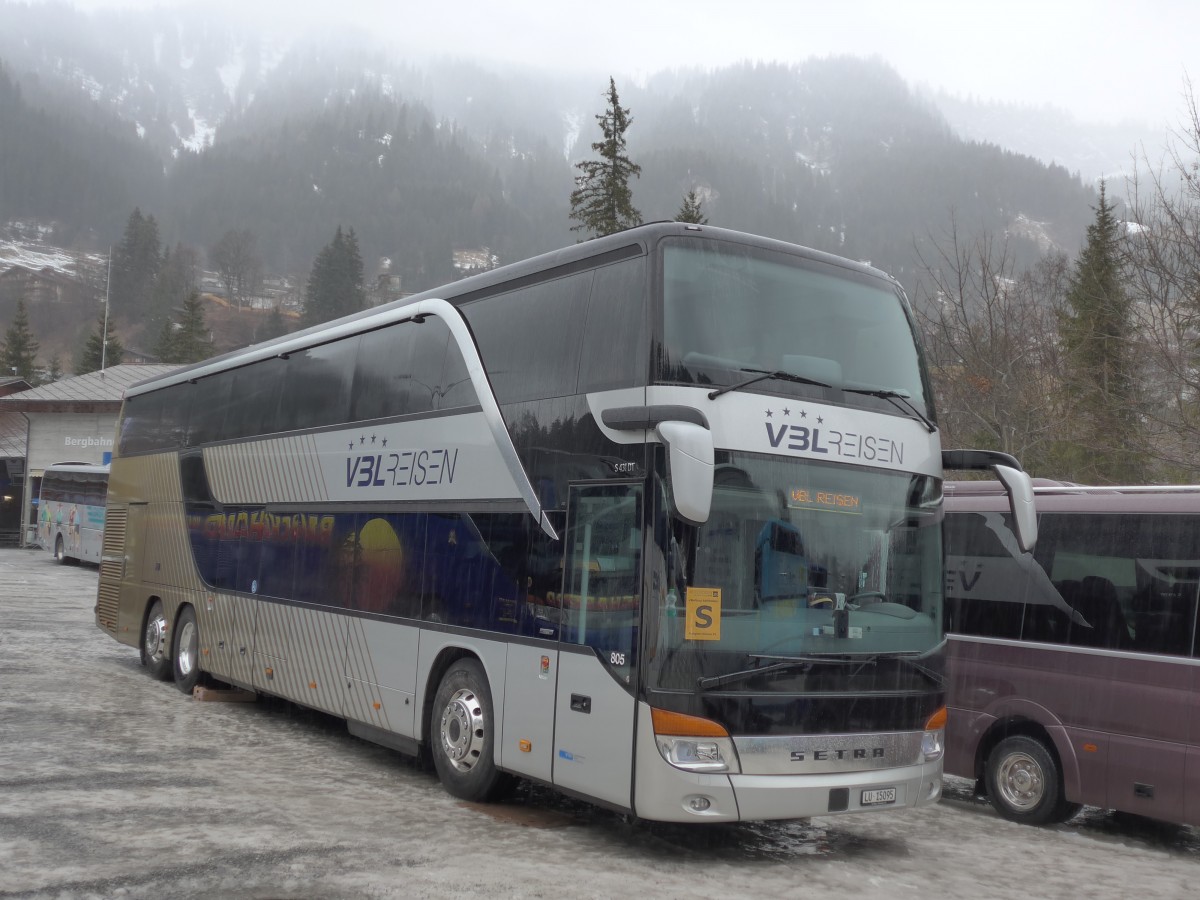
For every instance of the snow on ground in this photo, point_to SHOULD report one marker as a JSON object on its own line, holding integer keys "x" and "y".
{"x": 38, "y": 256}
{"x": 115, "y": 785}
{"x": 231, "y": 75}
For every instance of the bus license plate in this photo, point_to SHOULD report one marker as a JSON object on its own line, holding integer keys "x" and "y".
{"x": 874, "y": 798}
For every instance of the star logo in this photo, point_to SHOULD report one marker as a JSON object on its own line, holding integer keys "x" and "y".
{"x": 769, "y": 413}
{"x": 786, "y": 411}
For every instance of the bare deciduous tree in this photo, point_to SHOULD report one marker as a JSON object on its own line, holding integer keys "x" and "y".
{"x": 1163, "y": 252}
{"x": 236, "y": 260}
{"x": 990, "y": 337}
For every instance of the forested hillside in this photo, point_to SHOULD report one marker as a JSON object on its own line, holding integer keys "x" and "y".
{"x": 209, "y": 131}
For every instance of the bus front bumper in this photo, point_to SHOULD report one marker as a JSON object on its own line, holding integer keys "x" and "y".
{"x": 676, "y": 796}
{"x": 666, "y": 793}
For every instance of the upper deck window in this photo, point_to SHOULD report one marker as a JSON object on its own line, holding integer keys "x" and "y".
{"x": 729, "y": 308}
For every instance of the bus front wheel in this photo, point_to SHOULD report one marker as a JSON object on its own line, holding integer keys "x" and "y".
{"x": 1024, "y": 782}
{"x": 187, "y": 651}
{"x": 60, "y": 552}
{"x": 154, "y": 643}
{"x": 463, "y": 734}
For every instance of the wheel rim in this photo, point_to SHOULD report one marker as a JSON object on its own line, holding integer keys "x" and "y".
{"x": 187, "y": 648}
{"x": 1021, "y": 782}
{"x": 462, "y": 730}
{"x": 155, "y": 639}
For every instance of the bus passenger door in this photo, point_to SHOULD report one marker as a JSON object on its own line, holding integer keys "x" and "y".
{"x": 601, "y": 600}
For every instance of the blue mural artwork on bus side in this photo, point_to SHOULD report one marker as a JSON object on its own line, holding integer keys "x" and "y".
{"x": 433, "y": 566}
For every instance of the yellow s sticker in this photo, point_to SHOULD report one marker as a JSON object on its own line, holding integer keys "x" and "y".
{"x": 703, "y": 614}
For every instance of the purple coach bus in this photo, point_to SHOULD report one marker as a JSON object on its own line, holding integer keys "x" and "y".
{"x": 1074, "y": 670}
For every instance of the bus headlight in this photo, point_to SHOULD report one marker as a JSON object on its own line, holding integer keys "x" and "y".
{"x": 694, "y": 744}
{"x": 932, "y": 743}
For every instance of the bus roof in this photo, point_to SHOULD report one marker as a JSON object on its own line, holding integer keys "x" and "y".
{"x": 622, "y": 245}
{"x": 87, "y": 468}
{"x": 1061, "y": 496}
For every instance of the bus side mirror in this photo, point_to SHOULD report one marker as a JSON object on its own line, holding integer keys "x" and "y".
{"x": 1017, "y": 485}
{"x": 1020, "y": 500}
{"x": 689, "y": 467}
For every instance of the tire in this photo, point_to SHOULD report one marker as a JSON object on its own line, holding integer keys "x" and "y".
{"x": 186, "y": 655}
{"x": 154, "y": 643}
{"x": 462, "y": 730}
{"x": 60, "y": 552}
{"x": 1025, "y": 784}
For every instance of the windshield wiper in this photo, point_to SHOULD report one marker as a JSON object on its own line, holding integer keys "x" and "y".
{"x": 763, "y": 375}
{"x": 913, "y": 663}
{"x": 806, "y": 663}
{"x": 784, "y": 664}
{"x": 898, "y": 399}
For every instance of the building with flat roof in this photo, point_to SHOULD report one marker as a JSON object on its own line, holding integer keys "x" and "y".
{"x": 70, "y": 420}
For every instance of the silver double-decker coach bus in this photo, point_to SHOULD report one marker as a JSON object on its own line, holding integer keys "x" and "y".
{"x": 655, "y": 519}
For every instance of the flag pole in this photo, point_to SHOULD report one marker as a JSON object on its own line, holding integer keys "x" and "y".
{"x": 104, "y": 334}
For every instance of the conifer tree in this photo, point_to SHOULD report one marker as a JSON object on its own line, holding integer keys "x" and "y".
{"x": 19, "y": 354}
{"x": 1097, "y": 331}
{"x": 191, "y": 342}
{"x": 55, "y": 370}
{"x": 135, "y": 265}
{"x": 335, "y": 284}
{"x": 178, "y": 276}
{"x": 602, "y": 201}
{"x": 274, "y": 326}
{"x": 95, "y": 354}
{"x": 164, "y": 344}
{"x": 690, "y": 212}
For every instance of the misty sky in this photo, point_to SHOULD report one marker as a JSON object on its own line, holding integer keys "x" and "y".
{"x": 1100, "y": 60}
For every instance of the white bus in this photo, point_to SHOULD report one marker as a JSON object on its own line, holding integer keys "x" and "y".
{"x": 71, "y": 511}
{"x": 654, "y": 519}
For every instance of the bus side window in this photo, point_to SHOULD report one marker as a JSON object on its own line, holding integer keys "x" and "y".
{"x": 253, "y": 404}
{"x": 614, "y": 354}
{"x": 207, "y": 400}
{"x": 986, "y": 590}
{"x": 532, "y": 363}
{"x": 316, "y": 385}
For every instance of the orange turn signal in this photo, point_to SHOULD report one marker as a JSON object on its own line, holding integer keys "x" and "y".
{"x": 937, "y": 721}
{"x": 685, "y": 726}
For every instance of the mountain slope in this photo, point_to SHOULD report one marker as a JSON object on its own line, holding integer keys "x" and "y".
{"x": 210, "y": 129}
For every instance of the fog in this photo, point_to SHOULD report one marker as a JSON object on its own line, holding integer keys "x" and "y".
{"x": 1099, "y": 60}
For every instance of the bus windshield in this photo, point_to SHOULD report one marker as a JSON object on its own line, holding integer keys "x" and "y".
{"x": 830, "y": 325}
{"x": 801, "y": 561}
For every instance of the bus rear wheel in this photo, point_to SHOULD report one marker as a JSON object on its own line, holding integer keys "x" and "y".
{"x": 463, "y": 734}
{"x": 187, "y": 651}
{"x": 154, "y": 643}
{"x": 1025, "y": 784}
